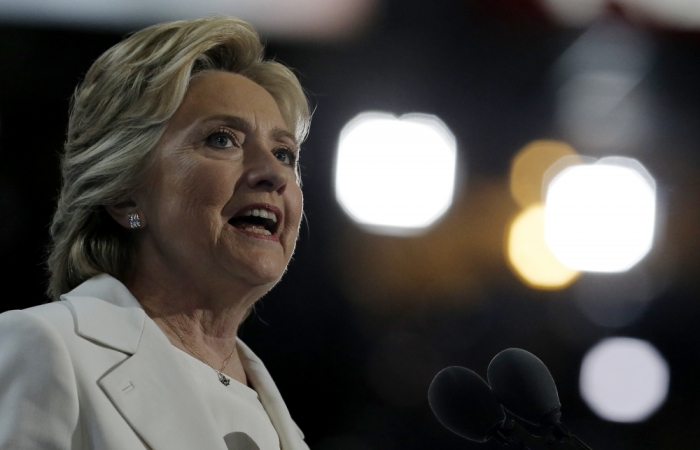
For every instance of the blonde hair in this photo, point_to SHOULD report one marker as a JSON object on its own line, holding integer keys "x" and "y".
{"x": 118, "y": 114}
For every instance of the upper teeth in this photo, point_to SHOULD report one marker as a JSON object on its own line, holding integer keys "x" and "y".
{"x": 264, "y": 213}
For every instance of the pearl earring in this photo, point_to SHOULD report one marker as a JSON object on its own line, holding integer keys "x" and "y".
{"x": 134, "y": 220}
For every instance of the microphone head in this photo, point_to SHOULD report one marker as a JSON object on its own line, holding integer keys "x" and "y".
{"x": 523, "y": 384}
{"x": 464, "y": 404}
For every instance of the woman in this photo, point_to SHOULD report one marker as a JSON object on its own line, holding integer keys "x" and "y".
{"x": 180, "y": 208}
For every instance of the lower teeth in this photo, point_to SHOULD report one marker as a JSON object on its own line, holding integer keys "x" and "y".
{"x": 258, "y": 231}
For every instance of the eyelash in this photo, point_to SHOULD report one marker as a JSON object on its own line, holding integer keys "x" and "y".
{"x": 292, "y": 155}
{"x": 222, "y": 132}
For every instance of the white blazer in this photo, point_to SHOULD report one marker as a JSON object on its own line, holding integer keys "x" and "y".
{"x": 93, "y": 371}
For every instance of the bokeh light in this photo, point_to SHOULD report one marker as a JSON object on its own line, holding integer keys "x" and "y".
{"x": 679, "y": 13}
{"x": 603, "y": 106}
{"x": 600, "y": 217}
{"x": 683, "y": 14}
{"x": 529, "y": 256}
{"x": 574, "y": 13}
{"x": 624, "y": 379}
{"x": 529, "y": 166}
{"x": 395, "y": 175}
{"x": 599, "y": 112}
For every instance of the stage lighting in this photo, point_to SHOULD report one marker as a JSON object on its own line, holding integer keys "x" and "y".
{"x": 395, "y": 175}
{"x": 529, "y": 256}
{"x": 600, "y": 217}
{"x": 624, "y": 379}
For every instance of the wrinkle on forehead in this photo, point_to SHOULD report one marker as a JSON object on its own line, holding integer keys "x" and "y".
{"x": 219, "y": 92}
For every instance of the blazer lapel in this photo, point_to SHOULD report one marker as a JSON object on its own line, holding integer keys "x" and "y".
{"x": 151, "y": 389}
{"x": 291, "y": 437}
{"x": 155, "y": 395}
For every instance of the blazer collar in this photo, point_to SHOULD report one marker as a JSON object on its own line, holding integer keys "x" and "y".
{"x": 107, "y": 313}
{"x": 151, "y": 385}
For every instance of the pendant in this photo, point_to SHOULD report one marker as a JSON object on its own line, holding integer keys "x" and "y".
{"x": 225, "y": 381}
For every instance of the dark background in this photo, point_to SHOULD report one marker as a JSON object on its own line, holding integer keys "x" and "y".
{"x": 353, "y": 358}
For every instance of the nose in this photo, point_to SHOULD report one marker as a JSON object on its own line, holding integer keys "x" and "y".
{"x": 265, "y": 172}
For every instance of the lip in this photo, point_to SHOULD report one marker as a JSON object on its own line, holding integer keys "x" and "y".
{"x": 273, "y": 237}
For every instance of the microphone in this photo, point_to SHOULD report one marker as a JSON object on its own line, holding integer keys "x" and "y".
{"x": 524, "y": 386}
{"x": 465, "y": 404}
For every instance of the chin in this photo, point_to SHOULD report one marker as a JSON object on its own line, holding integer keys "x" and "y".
{"x": 262, "y": 274}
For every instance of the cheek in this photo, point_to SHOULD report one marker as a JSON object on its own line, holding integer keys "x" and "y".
{"x": 192, "y": 195}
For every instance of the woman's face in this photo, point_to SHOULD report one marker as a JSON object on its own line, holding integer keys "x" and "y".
{"x": 223, "y": 202}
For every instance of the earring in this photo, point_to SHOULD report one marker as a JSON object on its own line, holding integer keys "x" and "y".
{"x": 134, "y": 220}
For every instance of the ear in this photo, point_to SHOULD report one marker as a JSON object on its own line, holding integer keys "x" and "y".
{"x": 121, "y": 211}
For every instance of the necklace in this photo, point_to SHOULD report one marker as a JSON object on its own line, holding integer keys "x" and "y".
{"x": 222, "y": 378}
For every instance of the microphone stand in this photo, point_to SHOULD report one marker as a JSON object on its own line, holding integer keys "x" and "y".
{"x": 515, "y": 433}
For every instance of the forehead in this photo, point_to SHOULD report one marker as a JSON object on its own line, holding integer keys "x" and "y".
{"x": 224, "y": 93}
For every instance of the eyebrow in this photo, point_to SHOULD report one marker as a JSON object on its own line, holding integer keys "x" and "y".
{"x": 246, "y": 126}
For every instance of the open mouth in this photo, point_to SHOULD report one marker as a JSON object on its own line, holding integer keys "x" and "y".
{"x": 260, "y": 220}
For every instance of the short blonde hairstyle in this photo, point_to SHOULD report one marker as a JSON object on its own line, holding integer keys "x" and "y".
{"x": 118, "y": 114}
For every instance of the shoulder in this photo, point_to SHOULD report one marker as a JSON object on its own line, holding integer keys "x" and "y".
{"x": 41, "y": 329}
{"x": 49, "y": 321}
{"x": 37, "y": 379}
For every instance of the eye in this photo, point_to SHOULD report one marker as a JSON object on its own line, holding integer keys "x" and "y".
{"x": 222, "y": 139}
{"x": 286, "y": 156}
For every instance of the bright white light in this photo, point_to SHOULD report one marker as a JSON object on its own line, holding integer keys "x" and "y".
{"x": 624, "y": 379}
{"x": 295, "y": 19}
{"x": 395, "y": 175}
{"x": 600, "y": 217}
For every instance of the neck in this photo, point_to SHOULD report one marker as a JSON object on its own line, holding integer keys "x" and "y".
{"x": 192, "y": 312}
{"x": 199, "y": 317}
